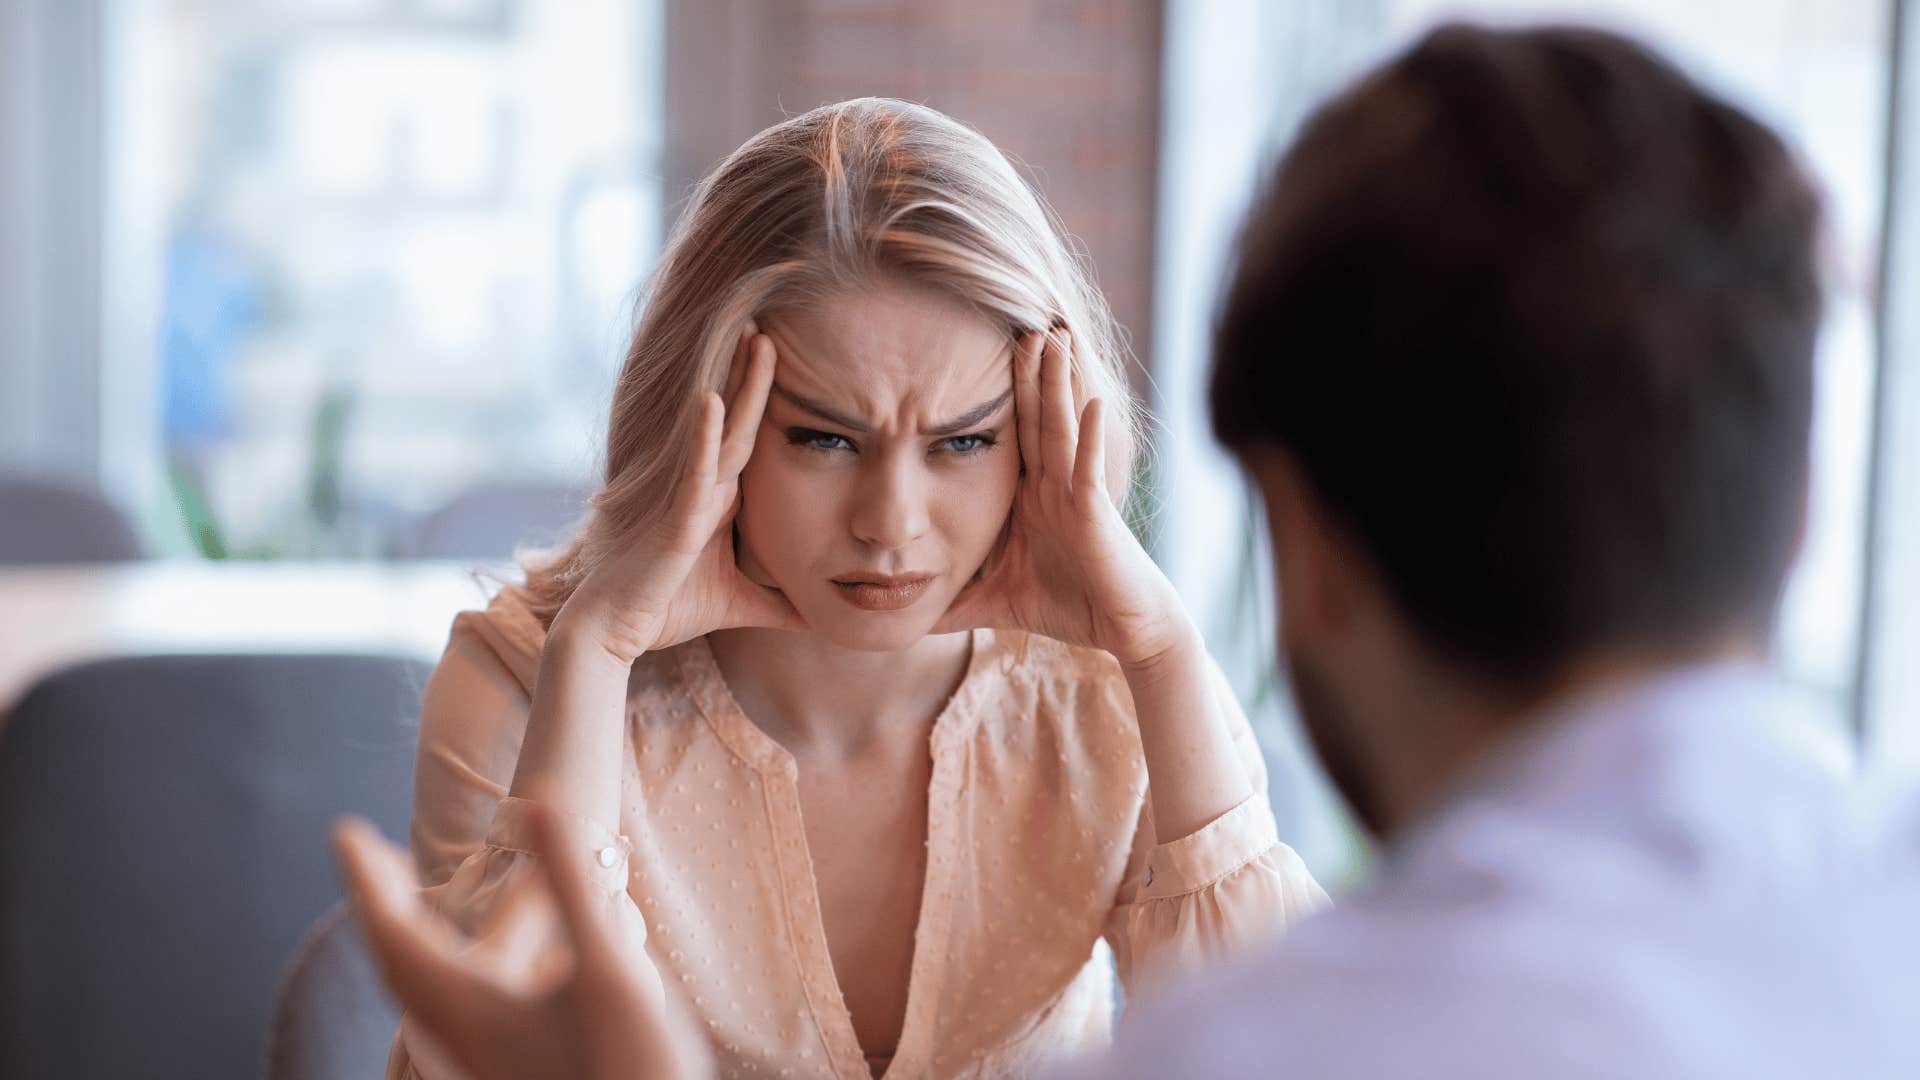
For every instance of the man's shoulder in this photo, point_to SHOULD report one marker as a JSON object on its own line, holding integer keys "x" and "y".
{"x": 1481, "y": 975}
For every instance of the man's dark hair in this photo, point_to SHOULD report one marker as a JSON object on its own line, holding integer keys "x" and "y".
{"x": 1536, "y": 316}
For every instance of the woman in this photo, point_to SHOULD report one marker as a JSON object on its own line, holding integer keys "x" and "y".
{"x": 855, "y": 685}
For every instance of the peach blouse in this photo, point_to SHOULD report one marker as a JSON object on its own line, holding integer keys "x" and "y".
{"x": 1039, "y": 837}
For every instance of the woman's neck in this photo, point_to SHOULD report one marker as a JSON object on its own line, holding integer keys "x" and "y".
{"x": 819, "y": 700}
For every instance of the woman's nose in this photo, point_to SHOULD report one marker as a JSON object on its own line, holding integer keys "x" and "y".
{"x": 890, "y": 504}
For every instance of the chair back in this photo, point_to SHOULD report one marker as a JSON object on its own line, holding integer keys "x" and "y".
{"x": 163, "y": 848}
{"x": 332, "y": 1019}
{"x": 489, "y": 521}
{"x": 43, "y": 522}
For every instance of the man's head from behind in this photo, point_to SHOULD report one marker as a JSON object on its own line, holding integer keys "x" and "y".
{"x": 1520, "y": 351}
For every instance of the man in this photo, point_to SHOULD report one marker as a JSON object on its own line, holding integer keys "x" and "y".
{"x": 1519, "y": 351}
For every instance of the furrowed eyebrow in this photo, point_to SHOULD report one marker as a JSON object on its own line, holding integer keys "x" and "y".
{"x": 809, "y": 405}
{"x": 971, "y": 418}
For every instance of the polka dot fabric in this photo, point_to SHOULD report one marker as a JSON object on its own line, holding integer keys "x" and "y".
{"x": 1040, "y": 857}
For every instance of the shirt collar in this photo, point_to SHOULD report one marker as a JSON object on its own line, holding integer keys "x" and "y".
{"x": 1727, "y": 717}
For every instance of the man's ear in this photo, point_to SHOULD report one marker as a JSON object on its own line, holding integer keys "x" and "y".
{"x": 1316, "y": 574}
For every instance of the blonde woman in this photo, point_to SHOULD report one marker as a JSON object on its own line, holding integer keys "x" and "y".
{"x": 855, "y": 688}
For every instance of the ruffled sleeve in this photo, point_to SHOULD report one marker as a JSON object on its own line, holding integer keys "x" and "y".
{"x": 472, "y": 843}
{"x": 1212, "y": 895}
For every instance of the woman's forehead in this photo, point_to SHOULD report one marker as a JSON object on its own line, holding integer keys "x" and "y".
{"x": 873, "y": 349}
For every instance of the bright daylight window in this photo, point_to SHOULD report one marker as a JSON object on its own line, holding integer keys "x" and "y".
{"x": 390, "y": 246}
{"x": 1816, "y": 69}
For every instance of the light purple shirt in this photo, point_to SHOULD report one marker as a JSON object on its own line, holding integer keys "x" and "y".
{"x": 1673, "y": 881}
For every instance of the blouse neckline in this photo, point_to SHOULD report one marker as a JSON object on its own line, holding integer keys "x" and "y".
{"x": 704, "y": 683}
{"x": 701, "y": 679}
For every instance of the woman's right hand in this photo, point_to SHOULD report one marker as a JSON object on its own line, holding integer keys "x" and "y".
{"x": 551, "y": 988}
{"x": 679, "y": 578}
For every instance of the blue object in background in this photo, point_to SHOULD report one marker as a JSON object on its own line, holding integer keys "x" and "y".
{"x": 213, "y": 299}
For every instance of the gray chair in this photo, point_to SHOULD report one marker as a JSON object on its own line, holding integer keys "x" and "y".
{"x": 332, "y": 1019}
{"x": 163, "y": 848}
{"x": 43, "y": 521}
{"x": 489, "y": 521}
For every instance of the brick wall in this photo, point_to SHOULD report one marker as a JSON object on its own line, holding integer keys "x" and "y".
{"x": 1069, "y": 89}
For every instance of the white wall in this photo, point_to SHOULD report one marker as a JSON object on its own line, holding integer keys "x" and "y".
{"x": 1890, "y": 675}
{"x": 50, "y": 267}
{"x": 1238, "y": 77}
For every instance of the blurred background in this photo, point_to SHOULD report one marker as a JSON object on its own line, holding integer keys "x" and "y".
{"x": 322, "y": 299}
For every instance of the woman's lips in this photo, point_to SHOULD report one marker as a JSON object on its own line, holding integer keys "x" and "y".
{"x": 871, "y": 592}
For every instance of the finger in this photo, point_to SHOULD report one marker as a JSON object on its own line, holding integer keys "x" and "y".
{"x": 968, "y": 610}
{"x": 517, "y": 933}
{"x": 746, "y": 407}
{"x": 1058, "y": 426}
{"x": 737, "y": 367}
{"x": 414, "y": 947}
{"x": 1090, "y": 457}
{"x": 757, "y": 605}
{"x": 379, "y": 878}
{"x": 566, "y": 873}
{"x": 982, "y": 601}
{"x": 706, "y": 459}
{"x": 702, "y": 461}
{"x": 1026, "y": 400}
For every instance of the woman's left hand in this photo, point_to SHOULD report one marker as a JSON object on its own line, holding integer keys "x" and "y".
{"x": 1068, "y": 567}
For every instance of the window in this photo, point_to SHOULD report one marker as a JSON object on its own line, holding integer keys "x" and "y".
{"x": 390, "y": 247}
{"x": 1818, "y": 71}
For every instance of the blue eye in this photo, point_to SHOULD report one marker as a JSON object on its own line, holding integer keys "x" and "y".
{"x": 968, "y": 444}
{"x": 817, "y": 440}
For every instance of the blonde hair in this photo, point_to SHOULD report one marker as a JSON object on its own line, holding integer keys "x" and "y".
{"x": 846, "y": 196}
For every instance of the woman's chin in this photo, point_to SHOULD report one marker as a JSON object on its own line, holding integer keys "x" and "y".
{"x": 872, "y": 631}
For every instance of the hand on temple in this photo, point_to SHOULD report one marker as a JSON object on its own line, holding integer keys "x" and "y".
{"x": 1068, "y": 567}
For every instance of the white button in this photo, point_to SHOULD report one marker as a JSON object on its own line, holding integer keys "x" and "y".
{"x": 608, "y": 857}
